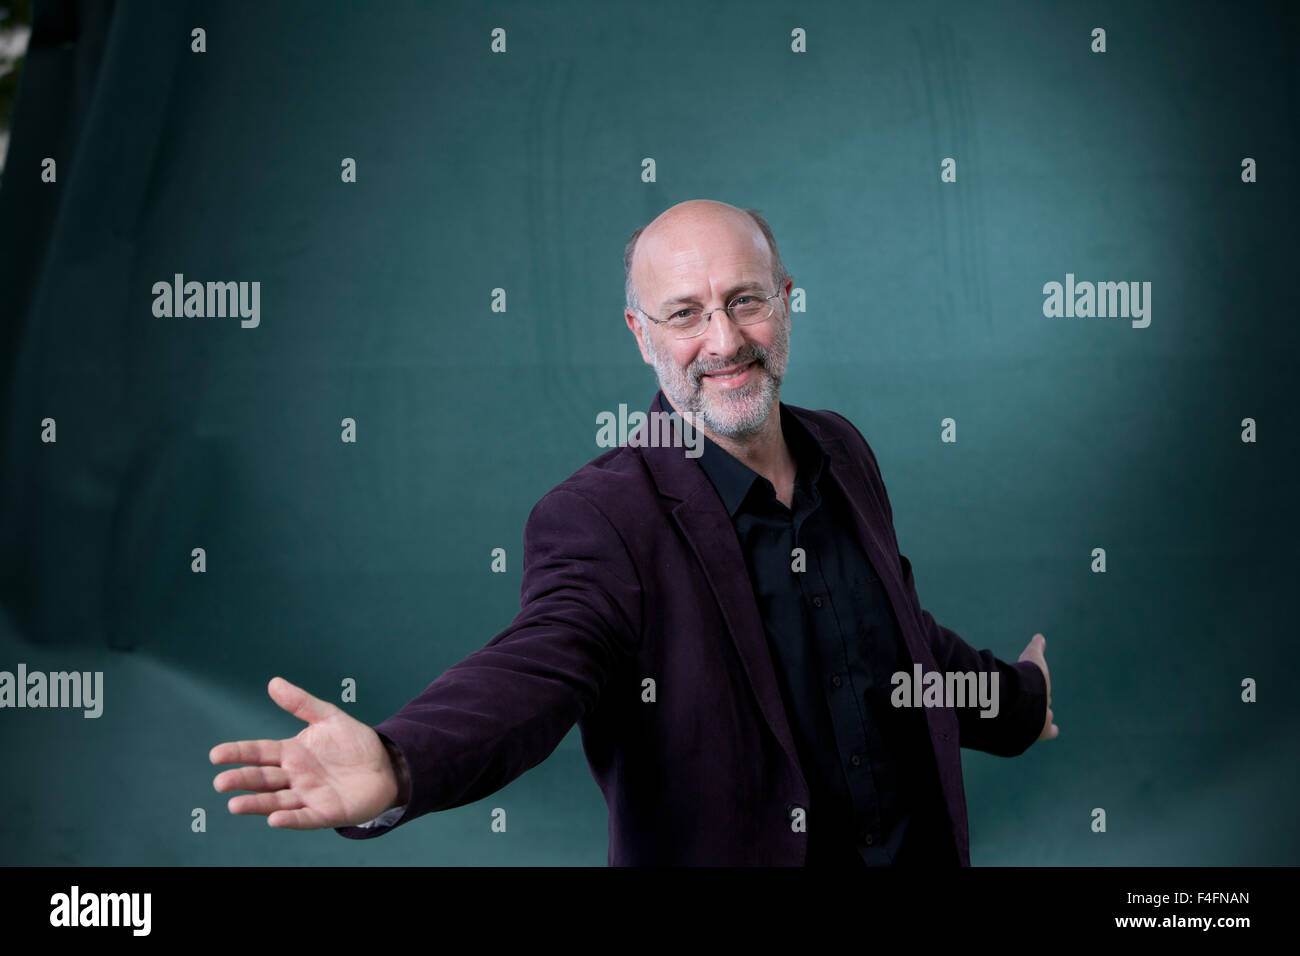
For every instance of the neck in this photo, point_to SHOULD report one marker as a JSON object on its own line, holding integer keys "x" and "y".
{"x": 764, "y": 451}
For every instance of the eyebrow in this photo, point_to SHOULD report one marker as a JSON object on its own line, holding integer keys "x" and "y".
{"x": 689, "y": 299}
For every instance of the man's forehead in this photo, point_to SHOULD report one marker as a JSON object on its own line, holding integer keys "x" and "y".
{"x": 678, "y": 267}
{"x": 685, "y": 235}
{"x": 682, "y": 294}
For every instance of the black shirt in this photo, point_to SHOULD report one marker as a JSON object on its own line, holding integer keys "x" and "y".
{"x": 873, "y": 788}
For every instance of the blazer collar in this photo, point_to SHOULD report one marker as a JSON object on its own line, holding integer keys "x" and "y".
{"x": 680, "y": 477}
{"x": 706, "y": 525}
{"x": 734, "y": 480}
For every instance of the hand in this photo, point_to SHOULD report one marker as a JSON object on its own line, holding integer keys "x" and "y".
{"x": 1034, "y": 652}
{"x": 336, "y": 772}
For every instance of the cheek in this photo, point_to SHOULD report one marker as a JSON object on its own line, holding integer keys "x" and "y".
{"x": 682, "y": 358}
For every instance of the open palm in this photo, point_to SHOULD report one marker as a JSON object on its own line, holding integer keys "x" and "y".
{"x": 336, "y": 772}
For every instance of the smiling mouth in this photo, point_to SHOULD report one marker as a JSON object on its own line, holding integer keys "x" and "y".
{"x": 731, "y": 375}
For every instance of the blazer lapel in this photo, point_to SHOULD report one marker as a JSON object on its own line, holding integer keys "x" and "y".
{"x": 873, "y": 538}
{"x": 873, "y": 542}
{"x": 707, "y": 527}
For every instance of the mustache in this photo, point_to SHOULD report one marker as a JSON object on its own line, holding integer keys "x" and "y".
{"x": 751, "y": 355}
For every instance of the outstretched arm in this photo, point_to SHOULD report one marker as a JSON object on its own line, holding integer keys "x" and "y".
{"x": 486, "y": 720}
{"x": 505, "y": 708}
{"x": 1024, "y": 714}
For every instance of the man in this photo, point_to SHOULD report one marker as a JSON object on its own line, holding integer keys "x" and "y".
{"x": 730, "y": 632}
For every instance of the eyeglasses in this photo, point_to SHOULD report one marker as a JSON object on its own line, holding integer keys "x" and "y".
{"x": 745, "y": 309}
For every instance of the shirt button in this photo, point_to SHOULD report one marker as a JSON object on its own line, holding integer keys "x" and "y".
{"x": 855, "y": 760}
{"x": 836, "y": 680}
{"x": 817, "y": 602}
{"x": 868, "y": 839}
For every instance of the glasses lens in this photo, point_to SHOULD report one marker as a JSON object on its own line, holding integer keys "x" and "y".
{"x": 750, "y": 308}
{"x": 744, "y": 309}
{"x": 685, "y": 323}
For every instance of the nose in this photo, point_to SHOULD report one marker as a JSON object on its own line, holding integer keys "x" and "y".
{"x": 722, "y": 336}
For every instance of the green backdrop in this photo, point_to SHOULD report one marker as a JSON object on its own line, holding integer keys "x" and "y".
{"x": 523, "y": 171}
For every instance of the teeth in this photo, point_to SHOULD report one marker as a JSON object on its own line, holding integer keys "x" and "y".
{"x": 732, "y": 374}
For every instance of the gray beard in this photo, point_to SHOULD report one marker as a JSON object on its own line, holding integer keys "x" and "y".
{"x": 678, "y": 385}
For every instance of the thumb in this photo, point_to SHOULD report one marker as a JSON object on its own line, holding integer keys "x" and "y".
{"x": 1034, "y": 649}
{"x": 1040, "y": 646}
{"x": 298, "y": 702}
{"x": 1034, "y": 652}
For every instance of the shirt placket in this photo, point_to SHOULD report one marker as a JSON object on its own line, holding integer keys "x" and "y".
{"x": 840, "y": 687}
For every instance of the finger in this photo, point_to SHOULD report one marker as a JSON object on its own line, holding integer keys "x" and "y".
{"x": 298, "y": 702}
{"x": 263, "y": 779}
{"x": 304, "y": 819}
{"x": 264, "y": 752}
{"x": 264, "y": 803}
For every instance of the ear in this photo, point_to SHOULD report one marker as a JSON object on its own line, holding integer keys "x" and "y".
{"x": 789, "y": 315}
{"x": 634, "y": 323}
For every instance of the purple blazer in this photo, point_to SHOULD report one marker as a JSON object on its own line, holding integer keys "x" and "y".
{"x": 633, "y": 572}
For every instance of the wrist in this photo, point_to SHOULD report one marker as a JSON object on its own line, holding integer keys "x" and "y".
{"x": 401, "y": 773}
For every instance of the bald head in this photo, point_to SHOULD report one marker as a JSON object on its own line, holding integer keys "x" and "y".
{"x": 664, "y": 254}
{"x": 694, "y": 214}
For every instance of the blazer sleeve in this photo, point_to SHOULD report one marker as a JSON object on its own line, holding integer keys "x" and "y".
{"x": 504, "y": 708}
{"x": 1022, "y": 689}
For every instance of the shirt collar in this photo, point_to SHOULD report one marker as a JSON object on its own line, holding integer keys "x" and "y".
{"x": 733, "y": 479}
